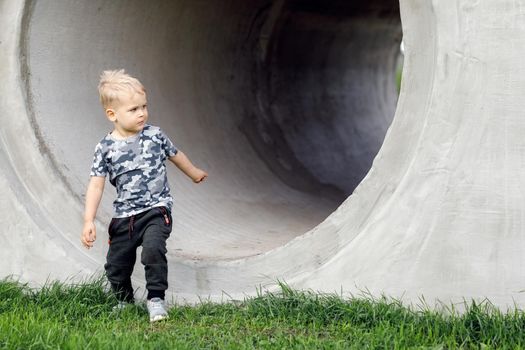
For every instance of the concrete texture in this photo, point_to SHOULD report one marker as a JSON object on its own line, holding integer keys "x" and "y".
{"x": 286, "y": 104}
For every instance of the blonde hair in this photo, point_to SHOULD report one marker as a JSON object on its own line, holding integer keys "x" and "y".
{"x": 114, "y": 82}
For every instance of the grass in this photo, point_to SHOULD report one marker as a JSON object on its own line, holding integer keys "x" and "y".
{"x": 61, "y": 316}
{"x": 399, "y": 75}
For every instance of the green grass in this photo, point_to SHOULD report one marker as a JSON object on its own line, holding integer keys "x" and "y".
{"x": 61, "y": 316}
{"x": 399, "y": 75}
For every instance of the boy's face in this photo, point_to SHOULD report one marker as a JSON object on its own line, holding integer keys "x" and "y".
{"x": 129, "y": 114}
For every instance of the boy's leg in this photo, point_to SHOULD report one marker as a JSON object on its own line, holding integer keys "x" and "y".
{"x": 153, "y": 257}
{"x": 121, "y": 258}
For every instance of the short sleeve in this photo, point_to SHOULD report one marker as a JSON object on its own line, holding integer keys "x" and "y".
{"x": 167, "y": 146}
{"x": 100, "y": 167}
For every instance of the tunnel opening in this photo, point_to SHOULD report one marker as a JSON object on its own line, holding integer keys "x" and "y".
{"x": 285, "y": 103}
{"x": 325, "y": 86}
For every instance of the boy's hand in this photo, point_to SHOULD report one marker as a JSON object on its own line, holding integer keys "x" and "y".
{"x": 199, "y": 175}
{"x": 89, "y": 234}
{"x": 183, "y": 163}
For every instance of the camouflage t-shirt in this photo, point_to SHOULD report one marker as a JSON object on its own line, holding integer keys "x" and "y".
{"x": 136, "y": 167}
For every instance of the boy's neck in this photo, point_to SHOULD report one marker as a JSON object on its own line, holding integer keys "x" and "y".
{"x": 122, "y": 135}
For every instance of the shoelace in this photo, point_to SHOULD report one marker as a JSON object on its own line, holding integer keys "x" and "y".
{"x": 156, "y": 304}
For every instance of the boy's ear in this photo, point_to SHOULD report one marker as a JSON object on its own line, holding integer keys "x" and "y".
{"x": 110, "y": 113}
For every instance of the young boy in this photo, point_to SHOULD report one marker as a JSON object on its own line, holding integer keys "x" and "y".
{"x": 133, "y": 155}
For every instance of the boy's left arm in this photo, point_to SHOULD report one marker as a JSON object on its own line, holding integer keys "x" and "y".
{"x": 184, "y": 164}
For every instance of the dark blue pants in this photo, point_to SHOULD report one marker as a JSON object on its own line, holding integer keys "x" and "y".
{"x": 150, "y": 230}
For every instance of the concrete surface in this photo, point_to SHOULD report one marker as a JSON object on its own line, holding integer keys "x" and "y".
{"x": 286, "y": 104}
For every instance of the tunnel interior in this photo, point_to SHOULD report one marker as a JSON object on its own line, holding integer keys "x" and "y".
{"x": 284, "y": 103}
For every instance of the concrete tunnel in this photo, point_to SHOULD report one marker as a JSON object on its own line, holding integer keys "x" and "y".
{"x": 286, "y": 104}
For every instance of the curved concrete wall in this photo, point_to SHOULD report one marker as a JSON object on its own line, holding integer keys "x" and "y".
{"x": 285, "y": 129}
{"x": 285, "y": 104}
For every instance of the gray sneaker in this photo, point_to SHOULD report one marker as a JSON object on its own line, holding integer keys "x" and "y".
{"x": 157, "y": 309}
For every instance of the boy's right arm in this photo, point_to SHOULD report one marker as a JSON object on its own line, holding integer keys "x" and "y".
{"x": 93, "y": 195}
